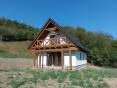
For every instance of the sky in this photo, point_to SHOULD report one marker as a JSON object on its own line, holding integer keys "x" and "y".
{"x": 93, "y": 15}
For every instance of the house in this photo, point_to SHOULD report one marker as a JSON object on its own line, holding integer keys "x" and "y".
{"x": 54, "y": 47}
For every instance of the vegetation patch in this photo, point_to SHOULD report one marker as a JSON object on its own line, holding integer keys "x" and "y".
{"x": 15, "y": 49}
{"x": 87, "y": 78}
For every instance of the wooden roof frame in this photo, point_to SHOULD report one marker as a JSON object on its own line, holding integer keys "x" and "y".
{"x": 62, "y": 31}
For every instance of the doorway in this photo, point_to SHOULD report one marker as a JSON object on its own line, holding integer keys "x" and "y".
{"x": 54, "y": 58}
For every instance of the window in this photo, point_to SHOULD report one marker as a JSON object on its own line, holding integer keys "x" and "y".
{"x": 80, "y": 56}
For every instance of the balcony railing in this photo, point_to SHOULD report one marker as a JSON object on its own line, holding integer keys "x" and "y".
{"x": 60, "y": 41}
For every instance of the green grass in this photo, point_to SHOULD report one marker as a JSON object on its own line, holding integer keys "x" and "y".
{"x": 87, "y": 78}
{"x": 15, "y": 49}
{"x": 16, "y": 83}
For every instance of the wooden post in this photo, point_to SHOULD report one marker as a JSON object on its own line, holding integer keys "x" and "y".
{"x": 40, "y": 60}
{"x": 34, "y": 59}
{"x": 70, "y": 59}
{"x": 62, "y": 59}
{"x": 57, "y": 59}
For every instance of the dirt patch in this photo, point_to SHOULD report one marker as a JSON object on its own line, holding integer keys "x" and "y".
{"x": 112, "y": 82}
{"x": 9, "y": 63}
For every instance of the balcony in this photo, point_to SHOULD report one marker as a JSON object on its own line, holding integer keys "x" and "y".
{"x": 53, "y": 42}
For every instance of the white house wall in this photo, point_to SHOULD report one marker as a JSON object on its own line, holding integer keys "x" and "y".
{"x": 44, "y": 58}
{"x": 76, "y": 59}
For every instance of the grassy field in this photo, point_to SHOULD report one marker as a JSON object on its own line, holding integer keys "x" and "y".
{"x": 18, "y": 73}
{"x": 32, "y": 78}
{"x": 28, "y": 77}
{"x": 15, "y": 49}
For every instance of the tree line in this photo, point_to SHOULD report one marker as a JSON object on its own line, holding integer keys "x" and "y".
{"x": 15, "y": 31}
{"x": 102, "y": 47}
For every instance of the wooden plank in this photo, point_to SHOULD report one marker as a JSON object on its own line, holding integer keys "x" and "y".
{"x": 53, "y": 42}
{"x": 70, "y": 59}
{"x": 53, "y": 29}
{"x": 55, "y": 46}
{"x": 56, "y": 63}
{"x": 62, "y": 59}
{"x": 57, "y": 50}
{"x": 34, "y": 61}
{"x": 40, "y": 60}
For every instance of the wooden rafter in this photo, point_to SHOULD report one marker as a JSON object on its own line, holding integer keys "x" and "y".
{"x": 57, "y": 50}
{"x": 53, "y": 29}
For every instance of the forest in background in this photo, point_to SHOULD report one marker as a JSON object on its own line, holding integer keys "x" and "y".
{"x": 102, "y": 47}
{"x": 16, "y": 31}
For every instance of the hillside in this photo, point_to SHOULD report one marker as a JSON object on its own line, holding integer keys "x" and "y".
{"x": 102, "y": 47}
{"x": 12, "y": 30}
{"x": 15, "y": 49}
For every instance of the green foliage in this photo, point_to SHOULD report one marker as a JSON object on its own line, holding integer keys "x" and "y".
{"x": 102, "y": 47}
{"x": 86, "y": 78}
{"x": 17, "y": 83}
{"x": 15, "y": 31}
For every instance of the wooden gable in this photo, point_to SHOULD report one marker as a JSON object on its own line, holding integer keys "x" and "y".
{"x": 40, "y": 42}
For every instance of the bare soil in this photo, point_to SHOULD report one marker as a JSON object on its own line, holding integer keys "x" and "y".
{"x": 9, "y": 63}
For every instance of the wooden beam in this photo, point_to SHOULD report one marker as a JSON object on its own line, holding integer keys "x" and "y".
{"x": 62, "y": 59}
{"x": 34, "y": 61}
{"x": 57, "y": 50}
{"x": 56, "y": 63}
{"x": 53, "y": 42}
{"x": 40, "y": 61}
{"x": 55, "y": 46}
{"x": 53, "y": 29}
{"x": 70, "y": 59}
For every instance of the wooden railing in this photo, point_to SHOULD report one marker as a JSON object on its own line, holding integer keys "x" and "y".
{"x": 60, "y": 41}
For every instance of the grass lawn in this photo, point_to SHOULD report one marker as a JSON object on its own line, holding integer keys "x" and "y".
{"x": 15, "y": 49}
{"x": 37, "y": 78}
